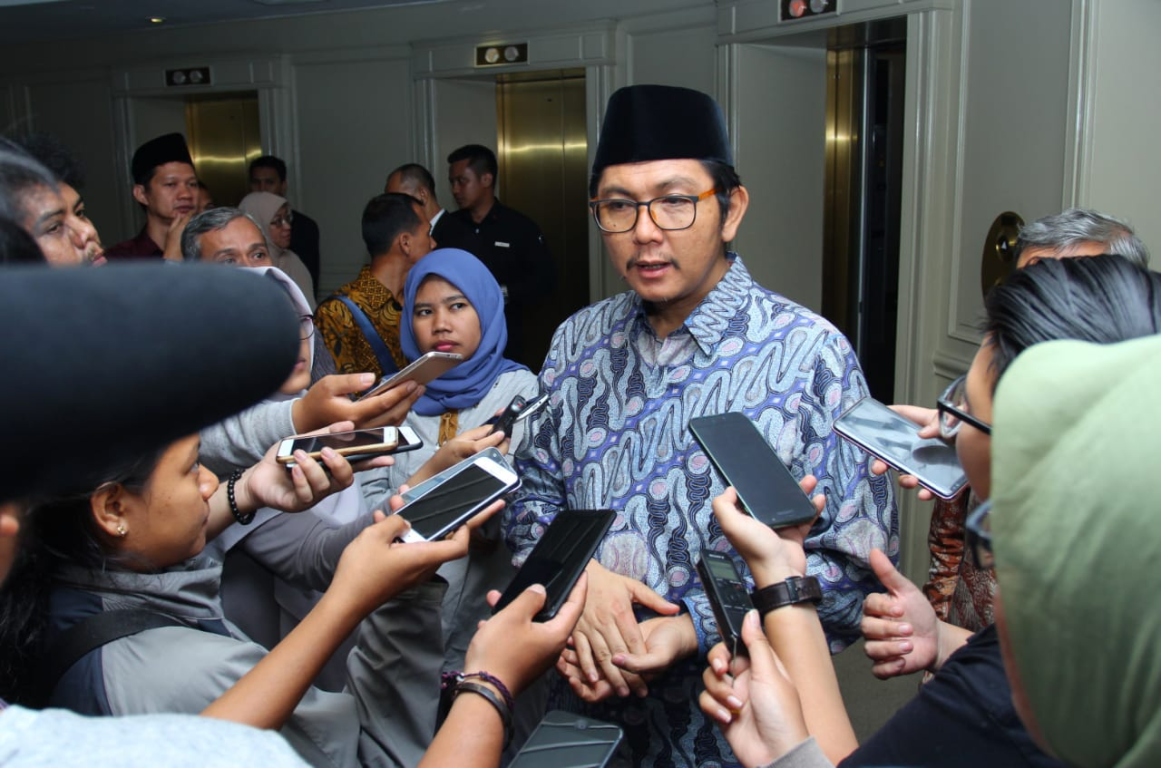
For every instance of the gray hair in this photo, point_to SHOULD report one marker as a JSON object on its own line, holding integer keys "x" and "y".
{"x": 19, "y": 173}
{"x": 1079, "y": 225}
{"x": 212, "y": 220}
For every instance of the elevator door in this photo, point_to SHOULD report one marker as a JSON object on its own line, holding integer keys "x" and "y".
{"x": 224, "y": 136}
{"x": 542, "y": 152}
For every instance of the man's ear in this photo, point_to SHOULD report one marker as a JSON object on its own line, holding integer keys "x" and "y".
{"x": 107, "y": 504}
{"x": 739, "y": 202}
{"x": 405, "y": 243}
{"x": 9, "y": 520}
{"x": 139, "y": 194}
{"x": 487, "y": 180}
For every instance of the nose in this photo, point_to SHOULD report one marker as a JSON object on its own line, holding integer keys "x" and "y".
{"x": 207, "y": 483}
{"x": 646, "y": 230}
{"x": 83, "y": 232}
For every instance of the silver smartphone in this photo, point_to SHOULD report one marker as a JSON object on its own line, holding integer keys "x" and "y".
{"x": 355, "y": 445}
{"x": 441, "y": 504}
{"x": 424, "y": 369}
{"x": 895, "y": 439}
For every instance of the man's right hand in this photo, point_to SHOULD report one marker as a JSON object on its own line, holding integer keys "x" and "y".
{"x": 328, "y": 401}
{"x": 928, "y": 421}
{"x": 608, "y": 627}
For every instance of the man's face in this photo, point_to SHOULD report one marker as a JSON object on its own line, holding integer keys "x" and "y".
{"x": 1085, "y": 248}
{"x": 670, "y": 268}
{"x": 239, "y": 244}
{"x": 467, "y": 188}
{"x": 65, "y": 239}
{"x": 172, "y": 192}
{"x": 421, "y": 242}
{"x": 266, "y": 180}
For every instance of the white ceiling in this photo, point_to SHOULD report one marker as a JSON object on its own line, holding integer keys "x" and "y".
{"x": 24, "y": 21}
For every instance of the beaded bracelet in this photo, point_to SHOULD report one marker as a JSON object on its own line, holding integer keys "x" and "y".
{"x": 243, "y": 519}
{"x": 501, "y": 707}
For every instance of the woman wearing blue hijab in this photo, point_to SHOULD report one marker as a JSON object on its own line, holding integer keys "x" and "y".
{"x": 453, "y": 304}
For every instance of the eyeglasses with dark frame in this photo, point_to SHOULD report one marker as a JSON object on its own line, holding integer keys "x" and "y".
{"x": 670, "y": 212}
{"x": 953, "y": 411}
{"x": 305, "y": 327}
{"x": 978, "y": 535}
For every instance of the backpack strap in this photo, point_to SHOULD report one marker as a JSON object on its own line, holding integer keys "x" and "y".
{"x": 88, "y": 635}
{"x": 378, "y": 346}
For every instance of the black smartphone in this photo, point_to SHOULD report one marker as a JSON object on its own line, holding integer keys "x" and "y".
{"x": 559, "y": 558}
{"x": 565, "y": 740}
{"x": 765, "y": 486}
{"x": 518, "y": 410}
{"x": 438, "y": 506}
{"x": 895, "y": 439}
{"x": 728, "y": 596}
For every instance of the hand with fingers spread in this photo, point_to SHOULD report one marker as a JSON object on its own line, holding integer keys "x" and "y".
{"x": 329, "y": 401}
{"x": 928, "y": 420}
{"x": 270, "y": 484}
{"x": 466, "y": 444}
{"x": 608, "y": 627}
{"x": 903, "y": 634}
{"x": 753, "y": 700}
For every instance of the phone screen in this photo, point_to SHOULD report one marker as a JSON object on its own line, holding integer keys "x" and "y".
{"x": 444, "y": 507}
{"x": 559, "y": 558}
{"x": 565, "y": 739}
{"x": 721, "y": 568}
{"x": 878, "y": 430}
{"x": 747, "y": 462}
{"x": 346, "y": 440}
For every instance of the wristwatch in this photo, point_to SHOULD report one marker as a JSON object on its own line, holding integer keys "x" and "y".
{"x": 795, "y": 590}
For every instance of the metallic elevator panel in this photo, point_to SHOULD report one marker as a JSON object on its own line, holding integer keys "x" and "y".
{"x": 542, "y": 150}
{"x": 864, "y": 163}
{"x": 224, "y": 136}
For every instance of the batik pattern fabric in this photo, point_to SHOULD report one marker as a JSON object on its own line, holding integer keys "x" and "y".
{"x": 615, "y": 436}
{"x": 961, "y": 592}
{"x": 341, "y": 334}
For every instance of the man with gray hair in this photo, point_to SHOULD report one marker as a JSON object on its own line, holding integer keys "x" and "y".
{"x": 225, "y": 236}
{"x": 1079, "y": 232}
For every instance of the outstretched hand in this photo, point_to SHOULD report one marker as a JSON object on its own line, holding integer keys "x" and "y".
{"x": 328, "y": 401}
{"x": 753, "y": 700}
{"x": 772, "y": 555}
{"x": 901, "y": 629}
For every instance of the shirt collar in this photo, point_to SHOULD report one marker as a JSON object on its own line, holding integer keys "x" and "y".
{"x": 709, "y": 319}
{"x": 375, "y": 293}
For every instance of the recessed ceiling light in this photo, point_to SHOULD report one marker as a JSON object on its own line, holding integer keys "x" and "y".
{"x": 156, "y": 19}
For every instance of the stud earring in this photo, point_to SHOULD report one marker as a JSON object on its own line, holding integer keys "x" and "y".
{"x": 122, "y": 531}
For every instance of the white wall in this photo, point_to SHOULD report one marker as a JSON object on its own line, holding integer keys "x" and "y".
{"x": 1123, "y": 171}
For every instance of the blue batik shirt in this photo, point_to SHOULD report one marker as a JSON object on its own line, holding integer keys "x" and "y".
{"x": 615, "y": 436}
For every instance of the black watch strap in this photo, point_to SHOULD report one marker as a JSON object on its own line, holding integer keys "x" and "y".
{"x": 795, "y": 590}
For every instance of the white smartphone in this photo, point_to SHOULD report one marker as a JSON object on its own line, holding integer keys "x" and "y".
{"x": 441, "y": 504}
{"x": 355, "y": 445}
{"x": 883, "y": 433}
{"x": 428, "y": 367}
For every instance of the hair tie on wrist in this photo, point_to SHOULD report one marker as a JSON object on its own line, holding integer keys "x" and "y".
{"x": 243, "y": 519}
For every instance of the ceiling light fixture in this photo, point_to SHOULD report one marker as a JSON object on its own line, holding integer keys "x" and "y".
{"x": 156, "y": 19}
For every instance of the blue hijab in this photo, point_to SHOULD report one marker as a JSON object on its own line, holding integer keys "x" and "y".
{"x": 467, "y": 383}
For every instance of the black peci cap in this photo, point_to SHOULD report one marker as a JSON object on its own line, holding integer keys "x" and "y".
{"x": 104, "y": 365}
{"x": 661, "y": 122}
{"x": 170, "y": 148}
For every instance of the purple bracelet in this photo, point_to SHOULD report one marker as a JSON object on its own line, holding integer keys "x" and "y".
{"x": 451, "y": 679}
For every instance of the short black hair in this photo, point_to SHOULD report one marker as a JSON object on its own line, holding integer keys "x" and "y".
{"x": 1098, "y": 299}
{"x": 56, "y": 157}
{"x": 20, "y": 174}
{"x": 17, "y": 246}
{"x": 386, "y": 217}
{"x": 415, "y": 173}
{"x": 269, "y": 161}
{"x": 480, "y": 159}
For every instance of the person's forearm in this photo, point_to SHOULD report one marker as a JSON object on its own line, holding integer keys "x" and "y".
{"x": 472, "y": 736}
{"x": 221, "y": 516}
{"x": 798, "y": 639}
{"x": 267, "y": 695}
{"x": 951, "y": 639}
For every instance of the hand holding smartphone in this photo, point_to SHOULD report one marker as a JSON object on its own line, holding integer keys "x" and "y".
{"x": 517, "y": 411}
{"x": 441, "y": 504}
{"x": 421, "y": 371}
{"x": 765, "y": 486}
{"x": 559, "y": 558}
{"x": 880, "y": 431}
